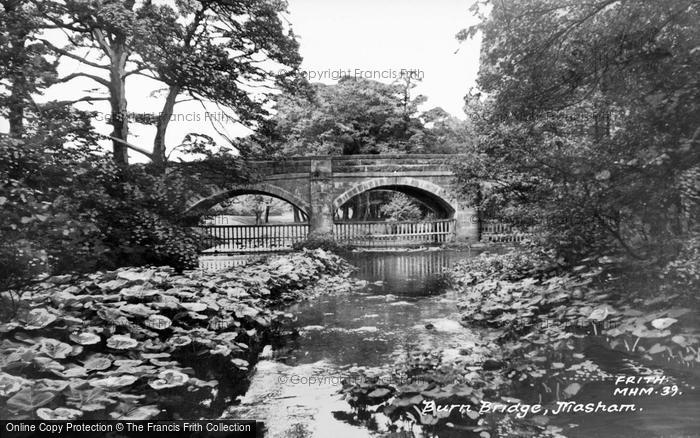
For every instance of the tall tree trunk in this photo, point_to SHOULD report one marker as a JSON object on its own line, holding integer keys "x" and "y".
{"x": 16, "y": 106}
{"x": 366, "y": 205}
{"x": 357, "y": 207}
{"x": 479, "y": 219}
{"x": 159, "y": 157}
{"x": 117, "y": 101}
{"x": 19, "y": 60}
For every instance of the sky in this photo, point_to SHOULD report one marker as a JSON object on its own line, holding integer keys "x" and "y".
{"x": 387, "y": 36}
{"x": 376, "y": 39}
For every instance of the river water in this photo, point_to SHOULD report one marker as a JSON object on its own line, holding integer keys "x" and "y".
{"x": 403, "y": 304}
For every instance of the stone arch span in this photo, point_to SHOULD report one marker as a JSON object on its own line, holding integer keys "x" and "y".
{"x": 425, "y": 191}
{"x": 252, "y": 189}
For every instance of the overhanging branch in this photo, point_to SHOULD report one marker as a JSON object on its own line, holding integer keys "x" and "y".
{"x": 130, "y": 146}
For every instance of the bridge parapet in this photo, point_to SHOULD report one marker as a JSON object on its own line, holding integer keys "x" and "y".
{"x": 353, "y": 163}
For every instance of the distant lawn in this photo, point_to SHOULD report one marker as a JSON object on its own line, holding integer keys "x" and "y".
{"x": 250, "y": 220}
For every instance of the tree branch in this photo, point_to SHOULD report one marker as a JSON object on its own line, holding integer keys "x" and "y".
{"x": 99, "y": 36}
{"x": 59, "y": 103}
{"x": 73, "y": 55}
{"x": 86, "y": 75}
{"x": 130, "y": 146}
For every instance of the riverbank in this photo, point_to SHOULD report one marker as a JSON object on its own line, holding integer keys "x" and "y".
{"x": 549, "y": 334}
{"x": 140, "y": 343}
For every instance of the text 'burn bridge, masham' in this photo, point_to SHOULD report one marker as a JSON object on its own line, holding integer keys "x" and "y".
{"x": 319, "y": 186}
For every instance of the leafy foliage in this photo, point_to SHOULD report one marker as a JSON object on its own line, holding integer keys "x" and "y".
{"x": 587, "y": 119}
{"x": 323, "y": 243}
{"x": 72, "y": 209}
{"x": 553, "y": 330}
{"x": 259, "y": 206}
{"x": 24, "y": 65}
{"x": 401, "y": 208}
{"x": 355, "y": 116}
{"x": 210, "y": 50}
{"x": 140, "y": 343}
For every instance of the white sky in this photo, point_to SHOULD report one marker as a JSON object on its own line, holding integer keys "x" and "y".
{"x": 389, "y": 35}
{"x": 365, "y": 35}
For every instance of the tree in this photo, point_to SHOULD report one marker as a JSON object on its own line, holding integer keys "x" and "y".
{"x": 401, "y": 208}
{"x": 68, "y": 207}
{"x": 109, "y": 29}
{"x": 355, "y": 116}
{"x": 447, "y": 134}
{"x": 259, "y": 206}
{"x": 216, "y": 51}
{"x": 25, "y": 69}
{"x": 587, "y": 115}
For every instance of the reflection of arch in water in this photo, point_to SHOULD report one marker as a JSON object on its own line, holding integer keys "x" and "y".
{"x": 255, "y": 189}
{"x": 405, "y": 266}
{"x": 429, "y": 194}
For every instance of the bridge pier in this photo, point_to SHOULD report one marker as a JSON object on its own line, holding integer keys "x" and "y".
{"x": 321, "y": 199}
{"x": 466, "y": 225}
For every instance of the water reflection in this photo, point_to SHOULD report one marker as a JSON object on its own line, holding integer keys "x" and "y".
{"x": 398, "y": 309}
{"x": 411, "y": 273}
{"x": 405, "y": 293}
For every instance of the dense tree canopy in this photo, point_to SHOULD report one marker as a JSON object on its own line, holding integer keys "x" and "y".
{"x": 217, "y": 56}
{"x": 69, "y": 206}
{"x": 232, "y": 54}
{"x": 588, "y": 115}
{"x": 358, "y": 116}
{"x": 25, "y": 68}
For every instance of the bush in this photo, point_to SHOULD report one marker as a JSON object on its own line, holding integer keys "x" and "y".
{"x": 71, "y": 209}
{"x": 513, "y": 265}
{"x": 683, "y": 273}
{"x": 324, "y": 243}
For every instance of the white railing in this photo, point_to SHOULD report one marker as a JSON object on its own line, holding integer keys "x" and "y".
{"x": 251, "y": 238}
{"x": 385, "y": 234}
{"x": 497, "y": 232}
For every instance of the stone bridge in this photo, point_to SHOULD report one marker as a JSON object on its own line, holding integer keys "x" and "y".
{"x": 318, "y": 186}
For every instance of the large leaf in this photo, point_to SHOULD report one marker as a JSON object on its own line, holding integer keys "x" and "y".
{"x": 121, "y": 342}
{"x": 97, "y": 364}
{"x": 85, "y": 338}
{"x": 93, "y": 399}
{"x": 663, "y": 323}
{"x": 38, "y": 319}
{"x": 130, "y": 412}
{"x": 114, "y": 381}
{"x": 169, "y": 379}
{"x": 10, "y": 384}
{"x": 58, "y": 414}
{"x": 29, "y": 400}
{"x": 55, "y": 348}
{"x": 158, "y": 322}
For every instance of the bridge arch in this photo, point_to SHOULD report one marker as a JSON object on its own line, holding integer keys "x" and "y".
{"x": 427, "y": 192}
{"x": 250, "y": 189}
